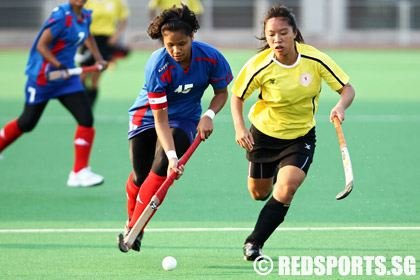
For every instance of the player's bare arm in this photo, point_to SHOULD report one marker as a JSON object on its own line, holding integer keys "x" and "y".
{"x": 347, "y": 94}
{"x": 44, "y": 41}
{"x": 243, "y": 135}
{"x": 93, "y": 47}
{"x": 165, "y": 137}
{"x": 113, "y": 40}
{"x": 205, "y": 126}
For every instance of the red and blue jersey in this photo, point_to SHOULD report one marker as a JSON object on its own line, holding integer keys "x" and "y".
{"x": 169, "y": 86}
{"x": 69, "y": 33}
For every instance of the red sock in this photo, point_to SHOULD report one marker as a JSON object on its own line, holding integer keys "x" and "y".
{"x": 147, "y": 190}
{"x": 132, "y": 192}
{"x": 82, "y": 145}
{"x": 9, "y": 133}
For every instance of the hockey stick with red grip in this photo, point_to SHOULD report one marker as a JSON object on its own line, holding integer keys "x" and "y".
{"x": 126, "y": 243}
{"x": 62, "y": 74}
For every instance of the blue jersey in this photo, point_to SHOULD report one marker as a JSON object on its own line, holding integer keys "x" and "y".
{"x": 169, "y": 86}
{"x": 69, "y": 33}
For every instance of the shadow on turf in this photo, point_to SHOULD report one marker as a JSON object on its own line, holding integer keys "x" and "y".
{"x": 284, "y": 249}
{"x": 229, "y": 267}
{"x": 268, "y": 250}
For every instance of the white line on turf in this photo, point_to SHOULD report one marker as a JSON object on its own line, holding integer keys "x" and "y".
{"x": 208, "y": 229}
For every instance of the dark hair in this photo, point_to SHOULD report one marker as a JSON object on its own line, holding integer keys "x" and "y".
{"x": 283, "y": 12}
{"x": 173, "y": 19}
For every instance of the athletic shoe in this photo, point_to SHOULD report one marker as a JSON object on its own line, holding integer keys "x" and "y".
{"x": 121, "y": 244}
{"x": 137, "y": 243}
{"x": 252, "y": 251}
{"x": 123, "y": 247}
{"x": 84, "y": 178}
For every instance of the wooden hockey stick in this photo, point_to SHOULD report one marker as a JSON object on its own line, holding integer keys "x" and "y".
{"x": 62, "y": 74}
{"x": 126, "y": 243}
{"x": 348, "y": 170}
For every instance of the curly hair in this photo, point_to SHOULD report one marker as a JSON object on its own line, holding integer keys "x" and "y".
{"x": 283, "y": 12}
{"x": 173, "y": 19}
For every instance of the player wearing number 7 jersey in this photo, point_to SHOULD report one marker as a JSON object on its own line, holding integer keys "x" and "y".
{"x": 54, "y": 48}
{"x": 166, "y": 115}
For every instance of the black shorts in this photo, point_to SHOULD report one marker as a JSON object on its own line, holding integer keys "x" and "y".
{"x": 270, "y": 152}
{"x": 104, "y": 48}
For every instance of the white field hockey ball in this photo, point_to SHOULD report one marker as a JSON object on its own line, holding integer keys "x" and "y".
{"x": 169, "y": 263}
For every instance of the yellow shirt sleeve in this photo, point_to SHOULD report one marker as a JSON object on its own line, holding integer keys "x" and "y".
{"x": 332, "y": 74}
{"x": 193, "y": 5}
{"x": 248, "y": 81}
{"x": 153, "y": 4}
{"x": 124, "y": 12}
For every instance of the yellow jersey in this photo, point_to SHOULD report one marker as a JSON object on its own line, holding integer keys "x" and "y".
{"x": 105, "y": 15}
{"x": 193, "y": 5}
{"x": 288, "y": 94}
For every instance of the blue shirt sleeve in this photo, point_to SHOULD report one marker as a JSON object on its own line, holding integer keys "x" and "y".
{"x": 154, "y": 82}
{"x": 56, "y": 22}
{"x": 222, "y": 74}
{"x": 88, "y": 14}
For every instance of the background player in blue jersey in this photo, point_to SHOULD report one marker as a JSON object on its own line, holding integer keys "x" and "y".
{"x": 54, "y": 48}
{"x": 167, "y": 113}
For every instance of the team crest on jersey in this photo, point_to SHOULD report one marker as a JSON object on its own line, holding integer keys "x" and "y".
{"x": 305, "y": 79}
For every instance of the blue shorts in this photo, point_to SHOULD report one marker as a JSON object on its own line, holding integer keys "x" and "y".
{"x": 188, "y": 126}
{"x": 35, "y": 94}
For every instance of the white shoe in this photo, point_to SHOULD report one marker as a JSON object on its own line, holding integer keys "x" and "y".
{"x": 84, "y": 178}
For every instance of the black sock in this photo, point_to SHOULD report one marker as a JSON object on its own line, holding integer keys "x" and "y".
{"x": 271, "y": 216}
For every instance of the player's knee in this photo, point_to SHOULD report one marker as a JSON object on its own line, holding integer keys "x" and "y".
{"x": 258, "y": 194}
{"x": 260, "y": 189}
{"x": 287, "y": 191}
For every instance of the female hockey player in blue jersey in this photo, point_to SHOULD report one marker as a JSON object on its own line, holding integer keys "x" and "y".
{"x": 55, "y": 47}
{"x": 166, "y": 115}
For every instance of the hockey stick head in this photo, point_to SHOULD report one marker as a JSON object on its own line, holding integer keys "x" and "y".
{"x": 345, "y": 192}
{"x": 121, "y": 244}
{"x": 348, "y": 172}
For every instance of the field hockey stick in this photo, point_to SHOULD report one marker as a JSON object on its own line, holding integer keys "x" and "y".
{"x": 348, "y": 170}
{"x": 61, "y": 74}
{"x": 126, "y": 243}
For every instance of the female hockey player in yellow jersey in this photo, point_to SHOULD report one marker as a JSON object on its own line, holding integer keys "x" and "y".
{"x": 287, "y": 75}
